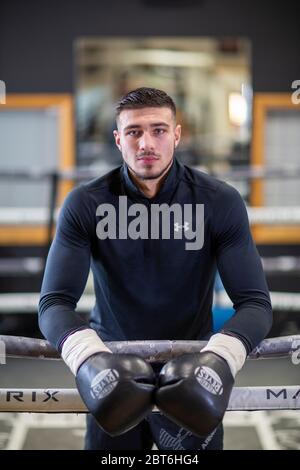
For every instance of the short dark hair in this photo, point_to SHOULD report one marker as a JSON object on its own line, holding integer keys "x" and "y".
{"x": 143, "y": 98}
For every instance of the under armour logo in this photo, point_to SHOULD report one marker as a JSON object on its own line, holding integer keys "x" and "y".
{"x": 185, "y": 226}
{"x": 167, "y": 441}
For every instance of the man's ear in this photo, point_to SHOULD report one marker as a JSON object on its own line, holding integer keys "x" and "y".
{"x": 117, "y": 139}
{"x": 177, "y": 134}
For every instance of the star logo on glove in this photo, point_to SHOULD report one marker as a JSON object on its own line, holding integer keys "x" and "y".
{"x": 209, "y": 380}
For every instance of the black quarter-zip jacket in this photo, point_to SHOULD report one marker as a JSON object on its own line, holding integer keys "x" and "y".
{"x": 154, "y": 289}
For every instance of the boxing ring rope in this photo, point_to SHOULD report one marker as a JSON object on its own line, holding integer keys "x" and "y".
{"x": 151, "y": 351}
{"x": 289, "y": 215}
{"x": 27, "y": 302}
{"x": 68, "y": 400}
{"x": 83, "y": 173}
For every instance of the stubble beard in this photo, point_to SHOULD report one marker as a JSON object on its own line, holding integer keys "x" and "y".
{"x": 143, "y": 177}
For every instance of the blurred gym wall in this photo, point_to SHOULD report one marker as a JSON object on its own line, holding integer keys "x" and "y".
{"x": 37, "y": 37}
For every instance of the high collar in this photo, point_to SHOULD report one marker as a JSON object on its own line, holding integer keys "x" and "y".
{"x": 167, "y": 187}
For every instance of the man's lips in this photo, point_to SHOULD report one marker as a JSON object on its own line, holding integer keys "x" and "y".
{"x": 147, "y": 158}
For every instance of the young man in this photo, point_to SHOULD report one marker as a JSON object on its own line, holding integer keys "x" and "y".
{"x": 154, "y": 232}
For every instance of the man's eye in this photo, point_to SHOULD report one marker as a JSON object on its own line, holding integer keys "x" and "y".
{"x": 133, "y": 133}
{"x": 159, "y": 131}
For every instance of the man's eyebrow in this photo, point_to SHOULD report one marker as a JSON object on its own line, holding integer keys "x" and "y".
{"x": 159, "y": 124}
{"x": 132, "y": 126}
{"x": 138, "y": 126}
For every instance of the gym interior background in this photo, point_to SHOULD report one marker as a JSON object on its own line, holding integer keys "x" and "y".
{"x": 233, "y": 69}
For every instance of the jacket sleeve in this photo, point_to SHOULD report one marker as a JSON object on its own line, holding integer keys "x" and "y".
{"x": 241, "y": 269}
{"x": 66, "y": 270}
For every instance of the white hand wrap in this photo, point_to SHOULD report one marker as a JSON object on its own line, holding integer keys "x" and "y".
{"x": 230, "y": 348}
{"x": 79, "y": 346}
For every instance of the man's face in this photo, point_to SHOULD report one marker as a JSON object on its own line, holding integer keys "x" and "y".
{"x": 147, "y": 138}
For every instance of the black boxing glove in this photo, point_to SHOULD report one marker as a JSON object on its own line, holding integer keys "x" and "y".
{"x": 116, "y": 388}
{"x": 194, "y": 389}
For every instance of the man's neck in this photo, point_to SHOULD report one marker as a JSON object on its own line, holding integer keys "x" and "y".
{"x": 149, "y": 187}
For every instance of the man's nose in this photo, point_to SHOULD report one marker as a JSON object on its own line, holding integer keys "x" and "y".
{"x": 146, "y": 142}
